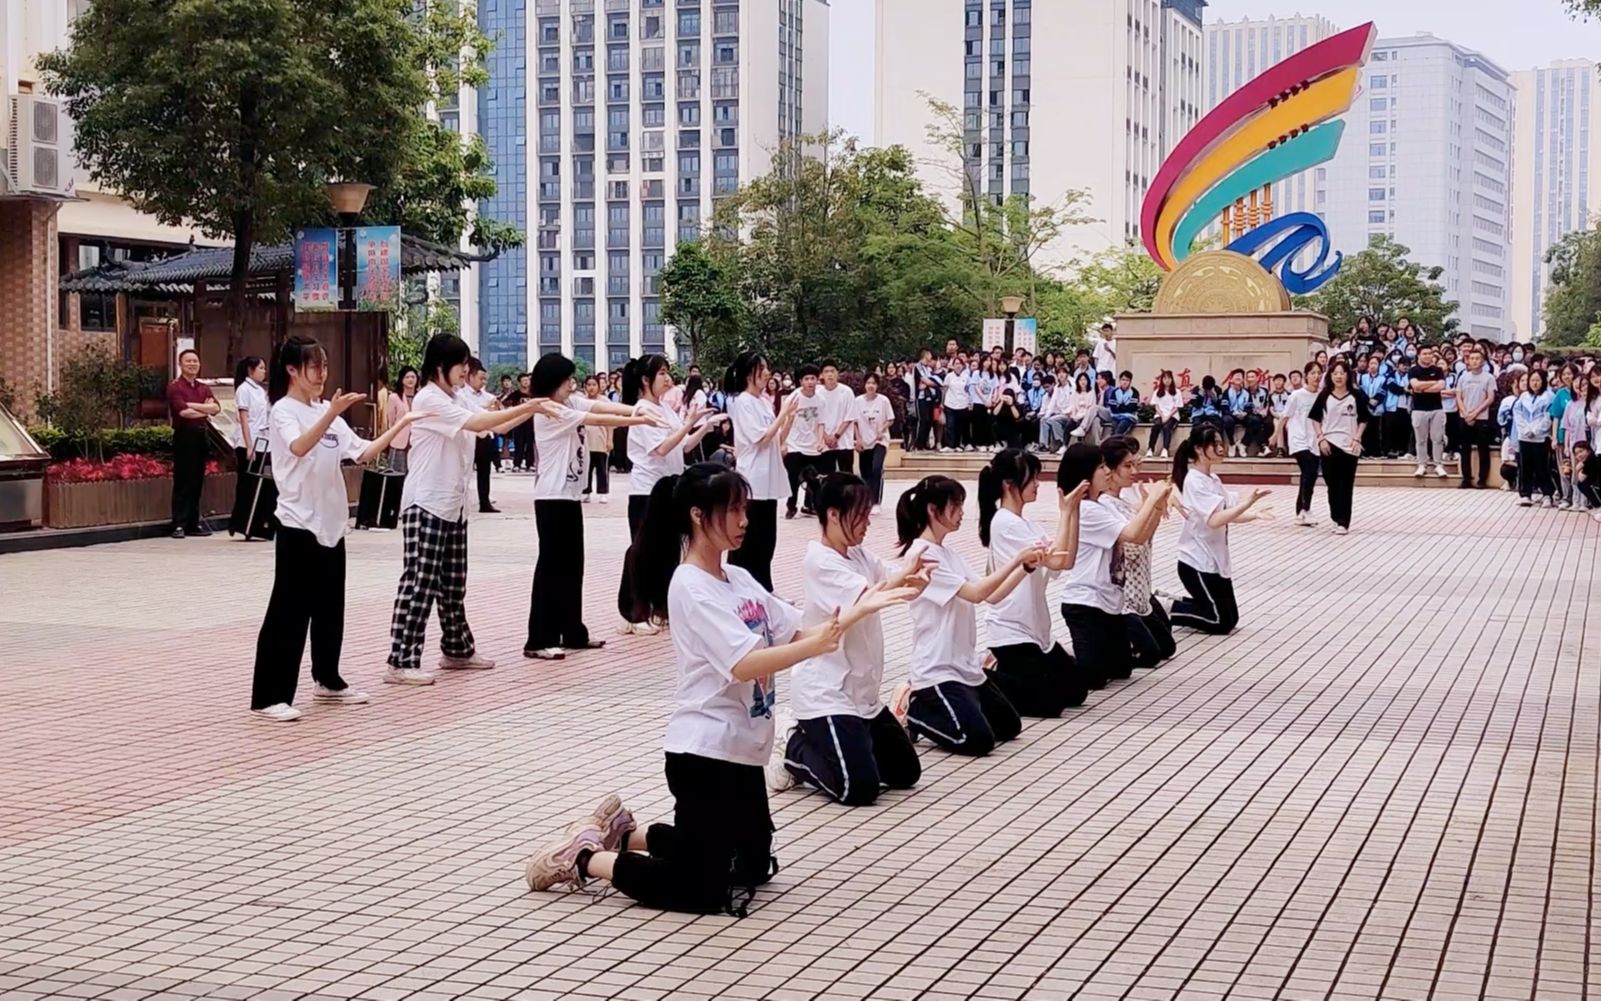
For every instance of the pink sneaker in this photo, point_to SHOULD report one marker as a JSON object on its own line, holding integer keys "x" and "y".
{"x": 613, "y": 820}
{"x": 556, "y": 864}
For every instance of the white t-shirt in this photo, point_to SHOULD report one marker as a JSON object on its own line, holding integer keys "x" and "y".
{"x": 561, "y": 454}
{"x": 956, "y": 397}
{"x": 1020, "y": 617}
{"x": 250, "y": 397}
{"x": 715, "y": 624}
{"x": 839, "y": 407}
{"x": 1167, "y": 405}
{"x": 1200, "y": 545}
{"x": 311, "y": 488}
{"x": 643, "y": 440}
{"x": 441, "y": 456}
{"x": 873, "y": 418}
{"x": 1089, "y": 582}
{"x": 762, "y": 465}
{"x": 1105, "y": 355}
{"x": 1298, "y": 429}
{"x": 944, "y": 625}
{"x": 845, "y": 682}
{"x": 806, "y": 432}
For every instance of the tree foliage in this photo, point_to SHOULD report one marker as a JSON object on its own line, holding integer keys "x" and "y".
{"x": 699, "y": 300}
{"x": 1572, "y": 305}
{"x": 1381, "y": 283}
{"x": 97, "y": 393}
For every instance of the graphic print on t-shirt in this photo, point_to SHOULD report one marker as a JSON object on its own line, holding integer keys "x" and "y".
{"x": 754, "y": 615}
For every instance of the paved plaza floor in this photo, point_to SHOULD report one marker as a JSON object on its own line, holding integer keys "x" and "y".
{"x": 1383, "y": 785}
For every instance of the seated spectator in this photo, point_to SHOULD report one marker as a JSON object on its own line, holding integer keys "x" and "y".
{"x": 1123, "y": 403}
{"x": 1206, "y": 404}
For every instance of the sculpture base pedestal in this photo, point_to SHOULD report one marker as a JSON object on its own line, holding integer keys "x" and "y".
{"x": 1216, "y": 343}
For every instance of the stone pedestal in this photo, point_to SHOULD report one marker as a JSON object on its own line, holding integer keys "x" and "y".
{"x": 1214, "y": 343}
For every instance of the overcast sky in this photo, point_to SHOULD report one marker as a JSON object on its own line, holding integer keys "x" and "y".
{"x": 1517, "y": 34}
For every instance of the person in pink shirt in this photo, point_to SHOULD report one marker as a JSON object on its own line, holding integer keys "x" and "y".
{"x": 398, "y": 406}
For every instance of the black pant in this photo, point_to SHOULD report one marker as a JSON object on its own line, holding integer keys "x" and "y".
{"x": 556, "y": 605}
{"x": 963, "y": 719}
{"x": 851, "y": 758}
{"x": 628, "y": 605}
{"x": 1100, "y": 643}
{"x": 1164, "y": 430}
{"x": 1591, "y": 490}
{"x": 1398, "y": 432}
{"x": 1534, "y": 468}
{"x": 1373, "y": 437}
{"x": 1453, "y": 432}
{"x": 308, "y": 592}
{"x": 802, "y": 469}
{"x": 1038, "y": 682}
{"x": 955, "y": 427}
{"x": 1210, "y": 607}
{"x": 755, "y": 554}
{"x": 1476, "y": 437}
{"x": 720, "y": 840}
{"x": 484, "y": 457}
{"x": 188, "y": 476}
{"x": 841, "y": 459}
{"x": 1150, "y": 637}
{"x": 1308, "y": 461}
{"x": 978, "y": 419}
{"x": 925, "y": 425}
{"x": 1258, "y": 430}
{"x": 872, "y": 460}
{"x": 619, "y": 450}
{"x": 599, "y": 479}
{"x": 522, "y": 445}
{"x": 1339, "y": 473}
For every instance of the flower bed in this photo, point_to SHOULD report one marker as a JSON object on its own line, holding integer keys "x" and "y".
{"x": 118, "y": 467}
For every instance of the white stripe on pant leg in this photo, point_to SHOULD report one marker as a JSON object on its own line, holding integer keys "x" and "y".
{"x": 938, "y": 733}
{"x": 817, "y": 779}
{"x": 1200, "y": 577}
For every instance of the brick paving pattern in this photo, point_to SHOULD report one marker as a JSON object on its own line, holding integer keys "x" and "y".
{"x": 1382, "y": 786}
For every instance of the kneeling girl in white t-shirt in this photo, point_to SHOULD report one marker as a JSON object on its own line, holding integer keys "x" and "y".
{"x": 729, "y": 637}
{"x": 1210, "y": 508}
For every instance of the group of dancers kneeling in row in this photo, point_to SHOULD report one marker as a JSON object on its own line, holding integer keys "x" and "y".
{"x": 731, "y": 636}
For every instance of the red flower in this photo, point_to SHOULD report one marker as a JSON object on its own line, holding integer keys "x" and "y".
{"x": 120, "y": 467}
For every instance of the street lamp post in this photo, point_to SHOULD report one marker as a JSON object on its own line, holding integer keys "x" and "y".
{"x": 1011, "y": 305}
{"x": 348, "y": 198}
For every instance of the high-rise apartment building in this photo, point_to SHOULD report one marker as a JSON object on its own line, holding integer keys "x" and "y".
{"x": 1556, "y": 187}
{"x": 1054, "y": 95}
{"x": 616, "y": 126}
{"x": 1427, "y": 160}
{"x": 1236, "y": 52}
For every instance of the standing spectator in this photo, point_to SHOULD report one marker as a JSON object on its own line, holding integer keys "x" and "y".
{"x": 956, "y": 404}
{"x": 398, "y": 405}
{"x": 873, "y": 416}
{"x": 1570, "y": 429}
{"x": 1533, "y": 428}
{"x": 929, "y": 390}
{"x": 803, "y": 458}
{"x": 1372, "y": 382}
{"x": 1427, "y": 383}
{"x": 1301, "y": 438}
{"x": 839, "y": 419}
{"x": 598, "y": 439}
{"x": 250, "y": 401}
{"x": 1475, "y": 396}
{"x": 1105, "y": 352}
{"x": 1167, "y": 402}
{"x": 192, "y": 406}
{"x": 476, "y": 398}
{"x": 983, "y": 389}
{"x": 1398, "y": 407}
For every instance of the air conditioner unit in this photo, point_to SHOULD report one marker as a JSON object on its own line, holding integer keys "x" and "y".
{"x": 38, "y": 147}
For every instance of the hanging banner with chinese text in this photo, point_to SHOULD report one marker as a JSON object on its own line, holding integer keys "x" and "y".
{"x": 378, "y": 285}
{"x": 317, "y": 270}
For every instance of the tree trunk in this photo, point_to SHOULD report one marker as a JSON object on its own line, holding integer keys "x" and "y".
{"x": 244, "y": 225}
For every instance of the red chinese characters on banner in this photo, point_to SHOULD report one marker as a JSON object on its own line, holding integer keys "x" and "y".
{"x": 316, "y": 270}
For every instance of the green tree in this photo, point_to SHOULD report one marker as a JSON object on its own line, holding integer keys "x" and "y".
{"x": 97, "y": 393}
{"x": 698, "y": 297}
{"x": 1380, "y": 282}
{"x": 1573, "y": 290}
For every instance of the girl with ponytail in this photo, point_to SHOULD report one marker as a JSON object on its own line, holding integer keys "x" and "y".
{"x": 948, "y": 696}
{"x": 730, "y": 637}
{"x": 846, "y": 742}
{"x": 759, "y": 432}
{"x": 1031, "y": 668}
{"x": 1209, "y": 508}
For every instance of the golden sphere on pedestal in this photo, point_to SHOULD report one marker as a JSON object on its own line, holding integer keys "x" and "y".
{"x": 1221, "y": 281}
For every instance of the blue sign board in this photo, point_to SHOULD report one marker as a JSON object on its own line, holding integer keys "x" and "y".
{"x": 317, "y": 270}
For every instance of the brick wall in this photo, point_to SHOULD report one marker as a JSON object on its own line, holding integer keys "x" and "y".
{"x": 28, "y": 277}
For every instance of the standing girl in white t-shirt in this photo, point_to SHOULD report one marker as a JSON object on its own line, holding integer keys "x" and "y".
{"x": 654, "y": 451}
{"x": 1037, "y": 675}
{"x": 729, "y": 636}
{"x": 433, "y": 514}
{"x": 250, "y": 401}
{"x": 1209, "y": 509}
{"x": 948, "y": 696}
{"x": 844, "y": 740}
{"x": 759, "y": 432}
{"x": 309, "y": 439}
{"x": 873, "y": 416}
{"x": 561, "y": 464}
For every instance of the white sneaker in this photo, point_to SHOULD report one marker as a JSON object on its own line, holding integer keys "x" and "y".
{"x": 1439, "y": 471}
{"x": 1596, "y": 514}
{"x": 1525, "y": 502}
{"x": 1302, "y": 519}
{"x": 1150, "y": 454}
{"x": 779, "y": 777}
{"x": 408, "y": 676}
{"x": 605, "y": 498}
{"x": 1420, "y": 470}
{"x": 1080, "y": 431}
{"x": 1341, "y": 530}
{"x": 638, "y": 629}
{"x": 283, "y": 712}
{"x": 473, "y": 663}
{"x": 349, "y": 696}
{"x": 1563, "y": 506}
{"x": 586, "y": 498}
{"x": 1164, "y": 453}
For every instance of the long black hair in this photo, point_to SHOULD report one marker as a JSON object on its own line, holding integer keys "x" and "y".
{"x": 1078, "y": 465}
{"x": 739, "y": 373}
{"x": 845, "y": 493}
{"x": 400, "y": 380}
{"x": 443, "y": 353}
{"x": 1010, "y": 465}
{"x": 550, "y": 373}
{"x": 1202, "y": 437}
{"x": 692, "y": 385}
{"x": 911, "y": 513}
{"x": 639, "y": 373}
{"x": 242, "y": 371}
{"x": 298, "y": 352}
{"x": 708, "y": 487}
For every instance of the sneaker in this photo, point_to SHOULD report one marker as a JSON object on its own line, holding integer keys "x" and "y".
{"x": 586, "y": 498}
{"x": 1525, "y": 502}
{"x": 901, "y": 701}
{"x": 1341, "y": 530}
{"x": 1420, "y": 470}
{"x": 1596, "y": 514}
{"x": 1439, "y": 471}
{"x": 613, "y": 820}
{"x": 1080, "y": 431}
{"x": 779, "y": 777}
{"x": 556, "y": 864}
{"x": 638, "y": 629}
{"x": 548, "y": 653}
{"x": 1563, "y": 506}
{"x": 878, "y": 509}
{"x": 177, "y": 533}
{"x": 408, "y": 676}
{"x": 489, "y": 509}
{"x": 349, "y": 696}
{"x": 1167, "y": 596}
{"x": 605, "y": 498}
{"x": 283, "y": 712}
{"x": 1164, "y": 453}
{"x": 1300, "y": 518}
{"x": 1465, "y": 485}
{"x": 473, "y": 663}
{"x": 1150, "y": 454}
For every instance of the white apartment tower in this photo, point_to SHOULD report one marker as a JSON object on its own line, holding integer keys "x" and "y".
{"x": 615, "y": 130}
{"x": 1556, "y": 188}
{"x": 1427, "y": 160}
{"x": 1054, "y": 95}
{"x": 1238, "y": 51}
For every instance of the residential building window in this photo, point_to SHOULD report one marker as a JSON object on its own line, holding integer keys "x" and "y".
{"x": 689, "y": 24}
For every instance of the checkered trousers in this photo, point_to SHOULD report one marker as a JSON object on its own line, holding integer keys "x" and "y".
{"x": 435, "y": 569}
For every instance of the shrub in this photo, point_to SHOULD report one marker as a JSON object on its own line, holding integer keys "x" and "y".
{"x": 151, "y": 439}
{"x": 97, "y": 391}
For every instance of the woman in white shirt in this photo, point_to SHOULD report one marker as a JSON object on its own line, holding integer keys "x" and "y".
{"x": 760, "y": 425}
{"x": 1532, "y": 427}
{"x": 1209, "y": 509}
{"x": 1149, "y": 630}
{"x": 873, "y": 416}
{"x": 956, "y": 401}
{"x": 842, "y": 739}
{"x": 1301, "y": 440}
{"x": 1338, "y": 416}
{"x": 561, "y": 463}
{"x": 250, "y": 400}
{"x": 433, "y": 514}
{"x": 948, "y": 697}
{"x": 729, "y": 636}
{"x": 1036, "y": 674}
{"x": 654, "y": 451}
{"x": 309, "y": 440}
{"x": 1092, "y": 599}
{"x": 1167, "y": 402}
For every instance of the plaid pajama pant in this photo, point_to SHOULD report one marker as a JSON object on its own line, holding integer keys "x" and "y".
{"x": 435, "y": 569}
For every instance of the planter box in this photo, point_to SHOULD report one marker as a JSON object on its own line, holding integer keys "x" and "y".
{"x": 130, "y": 502}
